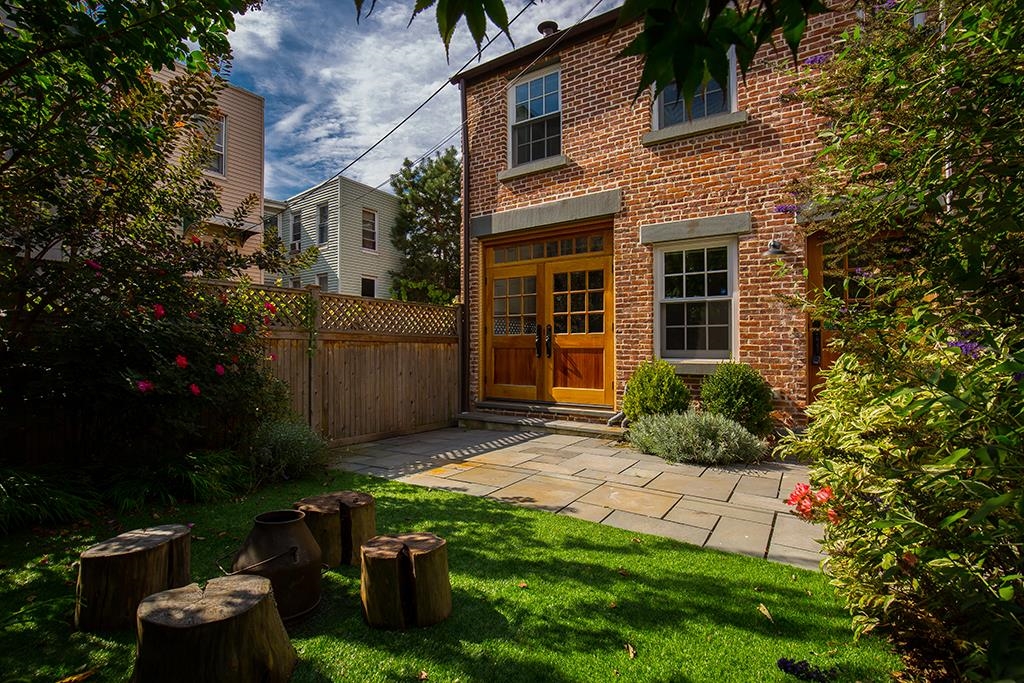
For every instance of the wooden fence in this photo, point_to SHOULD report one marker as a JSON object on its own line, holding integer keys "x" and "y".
{"x": 361, "y": 369}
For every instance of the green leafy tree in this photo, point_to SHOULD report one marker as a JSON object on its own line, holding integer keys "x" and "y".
{"x": 426, "y": 231}
{"x": 681, "y": 40}
{"x": 109, "y": 346}
{"x": 919, "y": 432}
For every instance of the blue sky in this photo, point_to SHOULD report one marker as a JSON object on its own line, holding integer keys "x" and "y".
{"x": 334, "y": 87}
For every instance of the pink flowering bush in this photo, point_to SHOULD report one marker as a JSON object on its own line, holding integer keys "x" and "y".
{"x": 814, "y": 506}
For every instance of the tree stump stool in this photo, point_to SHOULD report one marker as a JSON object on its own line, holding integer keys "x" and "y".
{"x": 405, "y": 581}
{"x": 229, "y": 632}
{"x": 340, "y": 522}
{"x": 115, "y": 575}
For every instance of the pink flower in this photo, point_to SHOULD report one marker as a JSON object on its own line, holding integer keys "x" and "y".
{"x": 272, "y": 356}
{"x": 158, "y": 311}
{"x": 799, "y": 491}
{"x": 144, "y": 385}
{"x": 93, "y": 264}
{"x": 181, "y": 361}
{"x": 270, "y": 307}
{"x": 238, "y": 328}
{"x": 833, "y": 516}
{"x": 824, "y": 494}
{"x": 193, "y": 315}
{"x": 219, "y": 369}
{"x": 194, "y": 388}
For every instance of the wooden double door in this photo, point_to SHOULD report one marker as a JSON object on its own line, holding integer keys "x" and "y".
{"x": 548, "y": 319}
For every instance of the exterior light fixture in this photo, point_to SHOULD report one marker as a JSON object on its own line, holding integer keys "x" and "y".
{"x": 774, "y": 248}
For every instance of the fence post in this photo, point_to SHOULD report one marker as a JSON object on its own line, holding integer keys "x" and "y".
{"x": 314, "y": 409}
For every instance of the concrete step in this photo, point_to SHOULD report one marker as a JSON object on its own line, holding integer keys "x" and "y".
{"x": 481, "y": 420}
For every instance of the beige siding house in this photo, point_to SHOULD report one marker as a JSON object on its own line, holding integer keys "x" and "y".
{"x": 350, "y": 224}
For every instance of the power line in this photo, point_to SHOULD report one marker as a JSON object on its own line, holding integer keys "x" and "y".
{"x": 459, "y": 128}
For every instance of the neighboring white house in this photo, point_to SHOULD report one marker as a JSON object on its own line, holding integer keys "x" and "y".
{"x": 350, "y": 223}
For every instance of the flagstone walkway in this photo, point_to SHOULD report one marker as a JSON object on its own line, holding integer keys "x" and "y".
{"x": 737, "y": 509}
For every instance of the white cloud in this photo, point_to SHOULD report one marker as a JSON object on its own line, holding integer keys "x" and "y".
{"x": 333, "y": 87}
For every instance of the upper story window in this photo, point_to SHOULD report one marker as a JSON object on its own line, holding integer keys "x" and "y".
{"x": 321, "y": 223}
{"x": 535, "y": 117}
{"x": 711, "y": 99}
{"x": 296, "y": 230}
{"x": 369, "y": 230}
{"x": 217, "y": 161}
{"x": 696, "y": 300}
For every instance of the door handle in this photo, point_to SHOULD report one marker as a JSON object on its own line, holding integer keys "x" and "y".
{"x": 547, "y": 340}
{"x": 816, "y": 342}
{"x": 537, "y": 345}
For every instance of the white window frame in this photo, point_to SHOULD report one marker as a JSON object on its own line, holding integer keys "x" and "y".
{"x": 323, "y": 213}
{"x": 368, "y": 278}
{"x": 510, "y": 119}
{"x": 733, "y": 90}
{"x": 218, "y": 149}
{"x": 296, "y": 221}
{"x": 376, "y": 230}
{"x": 323, "y": 280}
{"x": 696, "y": 364}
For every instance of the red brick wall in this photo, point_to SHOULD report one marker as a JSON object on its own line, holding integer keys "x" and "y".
{"x": 720, "y": 172}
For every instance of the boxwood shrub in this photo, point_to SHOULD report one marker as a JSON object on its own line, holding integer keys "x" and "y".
{"x": 738, "y": 392}
{"x": 655, "y": 388}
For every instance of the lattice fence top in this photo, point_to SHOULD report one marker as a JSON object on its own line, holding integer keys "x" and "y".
{"x": 296, "y": 309}
{"x": 353, "y": 314}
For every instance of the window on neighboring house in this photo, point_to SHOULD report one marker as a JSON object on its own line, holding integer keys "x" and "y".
{"x": 696, "y": 295}
{"x": 296, "y": 283}
{"x": 321, "y": 281}
{"x": 711, "y": 99}
{"x": 369, "y": 230}
{"x": 217, "y": 159}
{"x": 321, "y": 223}
{"x": 296, "y": 242}
{"x": 368, "y": 287}
{"x": 536, "y": 117}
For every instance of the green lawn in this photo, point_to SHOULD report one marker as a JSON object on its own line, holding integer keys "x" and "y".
{"x": 537, "y": 597}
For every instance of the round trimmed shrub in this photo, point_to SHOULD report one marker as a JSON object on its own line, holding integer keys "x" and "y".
{"x": 738, "y": 392}
{"x": 654, "y": 389}
{"x": 701, "y": 438}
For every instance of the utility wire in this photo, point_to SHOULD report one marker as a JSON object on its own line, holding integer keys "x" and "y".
{"x": 462, "y": 125}
{"x": 427, "y": 101}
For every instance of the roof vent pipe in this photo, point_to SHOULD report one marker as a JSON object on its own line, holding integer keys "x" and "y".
{"x": 547, "y": 28}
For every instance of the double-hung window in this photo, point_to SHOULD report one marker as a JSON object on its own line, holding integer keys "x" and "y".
{"x": 711, "y": 99}
{"x": 296, "y": 241}
{"x": 321, "y": 223}
{"x": 369, "y": 230}
{"x": 536, "y": 117}
{"x": 696, "y": 300}
{"x": 216, "y": 162}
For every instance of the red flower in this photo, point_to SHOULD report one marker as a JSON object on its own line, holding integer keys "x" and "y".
{"x": 158, "y": 311}
{"x": 193, "y": 315}
{"x": 194, "y": 388}
{"x": 270, "y": 307}
{"x": 181, "y": 361}
{"x": 238, "y": 328}
{"x": 266, "y": 320}
{"x": 272, "y": 356}
{"x": 144, "y": 385}
{"x": 195, "y": 239}
{"x": 219, "y": 369}
{"x": 93, "y": 264}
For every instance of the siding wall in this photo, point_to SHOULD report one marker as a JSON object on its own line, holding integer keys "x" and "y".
{"x": 726, "y": 171}
{"x": 342, "y": 257}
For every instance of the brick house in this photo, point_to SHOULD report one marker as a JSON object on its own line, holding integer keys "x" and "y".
{"x": 350, "y": 224}
{"x": 600, "y": 231}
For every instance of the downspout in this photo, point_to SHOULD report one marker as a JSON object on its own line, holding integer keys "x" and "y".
{"x": 464, "y": 322}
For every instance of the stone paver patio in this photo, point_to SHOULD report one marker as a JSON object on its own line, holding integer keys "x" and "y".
{"x": 737, "y": 509}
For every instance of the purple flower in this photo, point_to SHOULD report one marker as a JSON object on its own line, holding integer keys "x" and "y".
{"x": 816, "y": 60}
{"x": 968, "y": 347}
{"x": 787, "y": 208}
{"x": 1018, "y": 376}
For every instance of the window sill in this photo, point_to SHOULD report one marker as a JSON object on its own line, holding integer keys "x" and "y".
{"x": 215, "y": 174}
{"x": 691, "y": 128}
{"x": 548, "y": 164}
